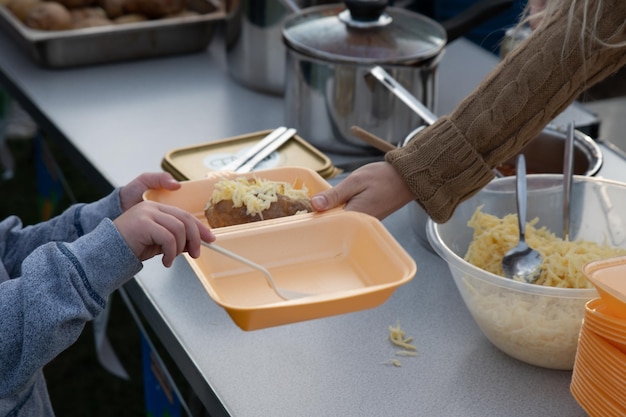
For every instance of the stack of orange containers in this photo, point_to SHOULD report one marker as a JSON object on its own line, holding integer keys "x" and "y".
{"x": 599, "y": 377}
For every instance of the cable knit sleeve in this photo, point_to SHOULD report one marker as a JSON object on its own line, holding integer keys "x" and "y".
{"x": 451, "y": 160}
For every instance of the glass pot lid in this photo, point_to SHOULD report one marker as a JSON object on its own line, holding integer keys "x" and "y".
{"x": 364, "y": 32}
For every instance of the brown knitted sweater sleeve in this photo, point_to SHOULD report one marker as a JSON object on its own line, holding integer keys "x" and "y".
{"x": 452, "y": 159}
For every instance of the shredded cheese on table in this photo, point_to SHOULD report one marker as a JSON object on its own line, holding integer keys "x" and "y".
{"x": 255, "y": 194}
{"x": 398, "y": 337}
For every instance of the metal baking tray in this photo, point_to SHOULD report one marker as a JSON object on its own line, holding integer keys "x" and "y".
{"x": 104, "y": 44}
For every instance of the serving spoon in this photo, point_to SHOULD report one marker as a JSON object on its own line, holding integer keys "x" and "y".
{"x": 522, "y": 261}
{"x": 568, "y": 172}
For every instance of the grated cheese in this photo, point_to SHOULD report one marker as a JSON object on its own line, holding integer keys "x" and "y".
{"x": 406, "y": 353}
{"x": 562, "y": 259}
{"x": 538, "y": 330}
{"x": 542, "y": 331}
{"x": 394, "y": 362}
{"x": 255, "y": 194}
{"x": 398, "y": 337}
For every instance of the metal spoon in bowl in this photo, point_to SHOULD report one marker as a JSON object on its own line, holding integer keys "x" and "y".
{"x": 522, "y": 261}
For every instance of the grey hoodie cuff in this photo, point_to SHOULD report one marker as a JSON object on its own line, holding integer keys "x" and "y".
{"x": 104, "y": 260}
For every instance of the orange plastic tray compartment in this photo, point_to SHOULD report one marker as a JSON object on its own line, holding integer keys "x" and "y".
{"x": 597, "y": 378}
{"x": 347, "y": 261}
{"x": 609, "y": 278}
{"x": 599, "y": 319}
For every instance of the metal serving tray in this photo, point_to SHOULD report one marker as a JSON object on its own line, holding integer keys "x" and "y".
{"x": 103, "y": 44}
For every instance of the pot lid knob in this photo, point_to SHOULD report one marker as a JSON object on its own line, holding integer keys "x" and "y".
{"x": 365, "y": 13}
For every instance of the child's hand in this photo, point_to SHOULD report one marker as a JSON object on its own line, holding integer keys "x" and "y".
{"x": 132, "y": 193}
{"x": 151, "y": 228}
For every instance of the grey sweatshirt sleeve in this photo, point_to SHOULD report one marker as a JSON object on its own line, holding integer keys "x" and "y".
{"x": 60, "y": 285}
{"x": 16, "y": 242}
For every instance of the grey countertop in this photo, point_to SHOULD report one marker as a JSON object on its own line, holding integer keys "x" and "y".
{"x": 120, "y": 120}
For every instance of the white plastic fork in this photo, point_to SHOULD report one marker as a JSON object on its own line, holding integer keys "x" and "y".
{"x": 281, "y": 292}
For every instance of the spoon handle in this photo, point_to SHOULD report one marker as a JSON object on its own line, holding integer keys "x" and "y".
{"x": 568, "y": 171}
{"x": 521, "y": 195}
{"x": 233, "y": 255}
{"x": 403, "y": 94}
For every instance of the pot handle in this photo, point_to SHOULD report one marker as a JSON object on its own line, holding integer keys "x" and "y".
{"x": 473, "y": 16}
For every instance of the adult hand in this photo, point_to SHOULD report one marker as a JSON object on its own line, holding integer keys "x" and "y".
{"x": 376, "y": 189}
{"x": 151, "y": 228}
{"x": 535, "y": 7}
{"x": 132, "y": 193}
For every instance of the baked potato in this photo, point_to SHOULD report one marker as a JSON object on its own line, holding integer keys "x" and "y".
{"x": 225, "y": 213}
{"x": 241, "y": 201}
{"x": 20, "y": 8}
{"x": 74, "y": 14}
{"x": 49, "y": 15}
{"x": 71, "y": 4}
{"x": 130, "y": 18}
{"x": 90, "y": 22}
{"x": 82, "y": 13}
{"x": 155, "y": 8}
{"x": 113, "y": 8}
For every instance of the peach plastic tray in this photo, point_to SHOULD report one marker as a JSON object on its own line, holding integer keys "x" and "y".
{"x": 609, "y": 278}
{"x": 348, "y": 261}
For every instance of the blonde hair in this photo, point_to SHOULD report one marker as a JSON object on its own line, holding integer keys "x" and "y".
{"x": 589, "y": 20}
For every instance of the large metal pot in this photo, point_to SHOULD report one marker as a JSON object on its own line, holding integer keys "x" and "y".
{"x": 330, "y": 50}
{"x": 255, "y": 53}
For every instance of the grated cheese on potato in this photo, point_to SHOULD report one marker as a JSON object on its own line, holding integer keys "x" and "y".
{"x": 255, "y": 194}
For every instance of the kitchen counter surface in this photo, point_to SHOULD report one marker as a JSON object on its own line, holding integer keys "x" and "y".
{"x": 120, "y": 120}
